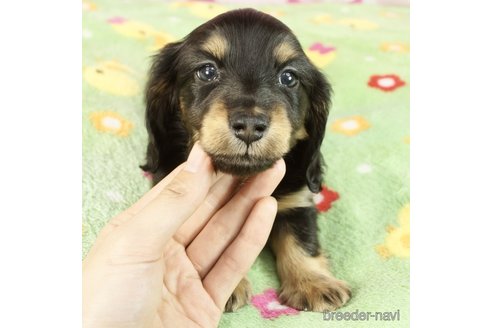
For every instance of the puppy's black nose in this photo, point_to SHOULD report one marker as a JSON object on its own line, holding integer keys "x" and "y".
{"x": 248, "y": 128}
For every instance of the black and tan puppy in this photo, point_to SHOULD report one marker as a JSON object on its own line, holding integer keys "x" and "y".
{"x": 242, "y": 86}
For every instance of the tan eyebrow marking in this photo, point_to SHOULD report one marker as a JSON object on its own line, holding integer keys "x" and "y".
{"x": 216, "y": 45}
{"x": 284, "y": 52}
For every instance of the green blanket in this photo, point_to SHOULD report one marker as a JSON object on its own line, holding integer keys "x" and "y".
{"x": 364, "y": 208}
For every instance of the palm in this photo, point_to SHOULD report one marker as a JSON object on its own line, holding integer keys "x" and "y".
{"x": 185, "y": 302}
{"x": 175, "y": 257}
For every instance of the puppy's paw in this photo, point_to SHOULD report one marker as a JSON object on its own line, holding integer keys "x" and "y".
{"x": 239, "y": 297}
{"x": 316, "y": 294}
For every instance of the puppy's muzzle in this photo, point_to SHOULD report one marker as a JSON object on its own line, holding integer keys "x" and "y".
{"x": 248, "y": 127}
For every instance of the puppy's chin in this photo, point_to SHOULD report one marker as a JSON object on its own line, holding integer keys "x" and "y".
{"x": 241, "y": 165}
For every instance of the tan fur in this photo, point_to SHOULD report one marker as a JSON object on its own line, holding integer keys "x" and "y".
{"x": 284, "y": 52}
{"x": 182, "y": 105}
{"x": 215, "y": 134}
{"x": 217, "y": 138}
{"x": 277, "y": 139}
{"x": 301, "y": 198}
{"x": 240, "y": 296}
{"x": 216, "y": 45}
{"x": 307, "y": 284}
{"x": 301, "y": 134}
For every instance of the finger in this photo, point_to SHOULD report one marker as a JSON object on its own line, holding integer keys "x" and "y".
{"x": 219, "y": 194}
{"x": 135, "y": 208}
{"x": 235, "y": 262}
{"x": 145, "y": 235}
{"x": 150, "y": 195}
{"x": 219, "y": 232}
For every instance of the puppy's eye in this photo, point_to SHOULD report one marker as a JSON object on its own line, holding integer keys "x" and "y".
{"x": 207, "y": 73}
{"x": 288, "y": 78}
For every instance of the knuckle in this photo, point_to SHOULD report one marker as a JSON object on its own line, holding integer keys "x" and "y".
{"x": 233, "y": 264}
{"x": 176, "y": 189}
{"x": 212, "y": 201}
{"x": 252, "y": 238}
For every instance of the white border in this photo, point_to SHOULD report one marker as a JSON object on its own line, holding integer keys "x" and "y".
{"x": 40, "y": 137}
{"x": 451, "y": 163}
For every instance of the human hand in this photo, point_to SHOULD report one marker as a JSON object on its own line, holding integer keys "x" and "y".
{"x": 175, "y": 256}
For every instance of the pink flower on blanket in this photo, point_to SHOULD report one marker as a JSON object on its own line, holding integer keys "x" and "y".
{"x": 147, "y": 175}
{"x": 269, "y": 306}
{"x": 116, "y": 20}
{"x": 321, "y": 48}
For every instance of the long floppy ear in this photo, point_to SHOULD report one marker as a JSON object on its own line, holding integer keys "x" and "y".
{"x": 319, "y": 95}
{"x": 168, "y": 138}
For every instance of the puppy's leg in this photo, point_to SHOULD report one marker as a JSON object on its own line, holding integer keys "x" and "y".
{"x": 240, "y": 296}
{"x": 306, "y": 281}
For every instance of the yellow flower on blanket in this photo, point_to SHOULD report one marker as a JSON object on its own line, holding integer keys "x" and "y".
{"x": 111, "y": 122}
{"x": 350, "y": 126}
{"x": 275, "y": 13}
{"x": 112, "y": 77}
{"x": 389, "y": 14}
{"x": 358, "y": 24}
{"x": 140, "y": 31}
{"x": 160, "y": 40}
{"x": 355, "y": 23}
{"x": 323, "y": 19}
{"x": 201, "y": 9}
{"x": 399, "y": 47}
{"x": 321, "y": 54}
{"x": 397, "y": 242}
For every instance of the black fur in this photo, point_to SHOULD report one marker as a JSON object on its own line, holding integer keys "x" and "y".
{"x": 171, "y": 81}
{"x": 177, "y": 102}
{"x": 168, "y": 138}
{"x": 301, "y": 223}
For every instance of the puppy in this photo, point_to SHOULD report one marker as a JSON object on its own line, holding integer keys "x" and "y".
{"x": 242, "y": 86}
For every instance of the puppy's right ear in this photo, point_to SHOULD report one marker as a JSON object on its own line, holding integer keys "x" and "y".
{"x": 168, "y": 138}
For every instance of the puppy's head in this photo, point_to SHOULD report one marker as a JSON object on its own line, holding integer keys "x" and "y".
{"x": 242, "y": 86}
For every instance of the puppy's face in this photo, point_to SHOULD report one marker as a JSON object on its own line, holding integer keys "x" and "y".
{"x": 243, "y": 88}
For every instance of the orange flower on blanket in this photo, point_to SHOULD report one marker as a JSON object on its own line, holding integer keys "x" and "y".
{"x": 111, "y": 122}
{"x": 350, "y": 126}
{"x": 88, "y": 6}
{"x": 388, "y": 82}
{"x": 395, "y": 47}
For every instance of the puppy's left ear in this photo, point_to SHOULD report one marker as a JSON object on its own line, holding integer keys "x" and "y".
{"x": 168, "y": 138}
{"x": 319, "y": 93}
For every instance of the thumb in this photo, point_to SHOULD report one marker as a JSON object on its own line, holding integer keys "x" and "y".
{"x": 153, "y": 226}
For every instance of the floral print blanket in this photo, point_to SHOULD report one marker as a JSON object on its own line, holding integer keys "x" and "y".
{"x": 364, "y": 206}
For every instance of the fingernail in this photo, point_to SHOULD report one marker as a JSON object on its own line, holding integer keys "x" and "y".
{"x": 195, "y": 159}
